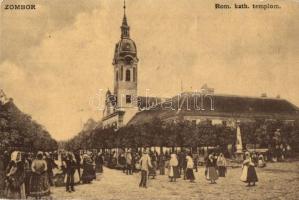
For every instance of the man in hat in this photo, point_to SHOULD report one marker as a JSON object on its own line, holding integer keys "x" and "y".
{"x": 145, "y": 164}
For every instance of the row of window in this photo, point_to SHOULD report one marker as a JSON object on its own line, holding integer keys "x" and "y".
{"x": 127, "y": 75}
{"x": 208, "y": 121}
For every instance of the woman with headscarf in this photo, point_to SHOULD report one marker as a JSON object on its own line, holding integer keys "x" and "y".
{"x": 88, "y": 171}
{"x": 15, "y": 177}
{"x": 248, "y": 171}
{"x": 189, "y": 170}
{"x": 211, "y": 169}
{"x": 261, "y": 161}
{"x": 221, "y": 164}
{"x": 173, "y": 171}
{"x": 39, "y": 182}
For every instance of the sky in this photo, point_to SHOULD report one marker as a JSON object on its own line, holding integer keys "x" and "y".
{"x": 56, "y": 60}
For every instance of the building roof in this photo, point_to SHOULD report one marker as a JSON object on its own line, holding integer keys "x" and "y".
{"x": 149, "y": 102}
{"x": 219, "y": 105}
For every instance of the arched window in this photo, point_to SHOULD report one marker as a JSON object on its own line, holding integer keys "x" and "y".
{"x": 128, "y": 75}
{"x": 116, "y": 77}
{"x": 134, "y": 74}
{"x": 121, "y": 73}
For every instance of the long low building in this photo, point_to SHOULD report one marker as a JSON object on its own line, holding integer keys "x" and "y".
{"x": 218, "y": 109}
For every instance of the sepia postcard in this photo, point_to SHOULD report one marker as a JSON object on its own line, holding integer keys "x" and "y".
{"x": 149, "y": 99}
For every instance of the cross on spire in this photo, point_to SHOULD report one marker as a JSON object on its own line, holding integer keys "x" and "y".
{"x": 124, "y": 7}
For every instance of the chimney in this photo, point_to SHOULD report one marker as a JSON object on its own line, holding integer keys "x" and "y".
{"x": 207, "y": 90}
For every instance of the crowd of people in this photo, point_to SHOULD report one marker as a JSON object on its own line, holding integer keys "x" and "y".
{"x": 183, "y": 164}
{"x": 32, "y": 175}
{"x": 26, "y": 174}
{"x": 180, "y": 165}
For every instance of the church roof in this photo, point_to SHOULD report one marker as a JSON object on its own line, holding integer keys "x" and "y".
{"x": 191, "y": 104}
{"x": 125, "y": 46}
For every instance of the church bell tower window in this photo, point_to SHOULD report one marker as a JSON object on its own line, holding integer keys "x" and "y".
{"x": 128, "y": 75}
{"x": 121, "y": 73}
{"x": 134, "y": 74}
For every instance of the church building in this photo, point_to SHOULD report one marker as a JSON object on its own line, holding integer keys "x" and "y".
{"x": 123, "y": 106}
{"x": 123, "y": 103}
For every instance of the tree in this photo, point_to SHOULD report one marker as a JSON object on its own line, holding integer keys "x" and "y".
{"x": 19, "y": 131}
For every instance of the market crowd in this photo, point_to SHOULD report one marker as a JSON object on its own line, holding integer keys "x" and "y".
{"x": 33, "y": 174}
{"x": 183, "y": 164}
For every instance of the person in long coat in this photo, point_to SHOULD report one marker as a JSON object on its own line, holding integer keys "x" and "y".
{"x": 78, "y": 163}
{"x": 145, "y": 164}
{"x": 161, "y": 163}
{"x": 248, "y": 171}
{"x": 6, "y": 159}
{"x": 28, "y": 172}
{"x": 136, "y": 158}
{"x": 99, "y": 163}
{"x": 39, "y": 181}
{"x": 173, "y": 171}
{"x": 211, "y": 169}
{"x": 15, "y": 177}
{"x": 88, "y": 171}
{"x": 221, "y": 164}
{"x": 122, "y": 162}
{"x": 182, "y": 164}
{"x": 196, "y": 158}
{"x": 70, "y": 165}
{"x": 2, "y": 175}
{"x": 189, "y": 172}
{"x": 152, "y": 170}
{"x": 50, "y": 166}
{"x": 129, "y": 163}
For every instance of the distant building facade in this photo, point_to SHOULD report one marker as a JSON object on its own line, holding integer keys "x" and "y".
{"x": 218, "y": 109}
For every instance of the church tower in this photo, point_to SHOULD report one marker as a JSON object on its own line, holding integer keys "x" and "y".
{"x": 125, "y": 63}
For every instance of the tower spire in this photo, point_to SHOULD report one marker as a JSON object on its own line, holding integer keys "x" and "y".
{"x": 125, "y": 27}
